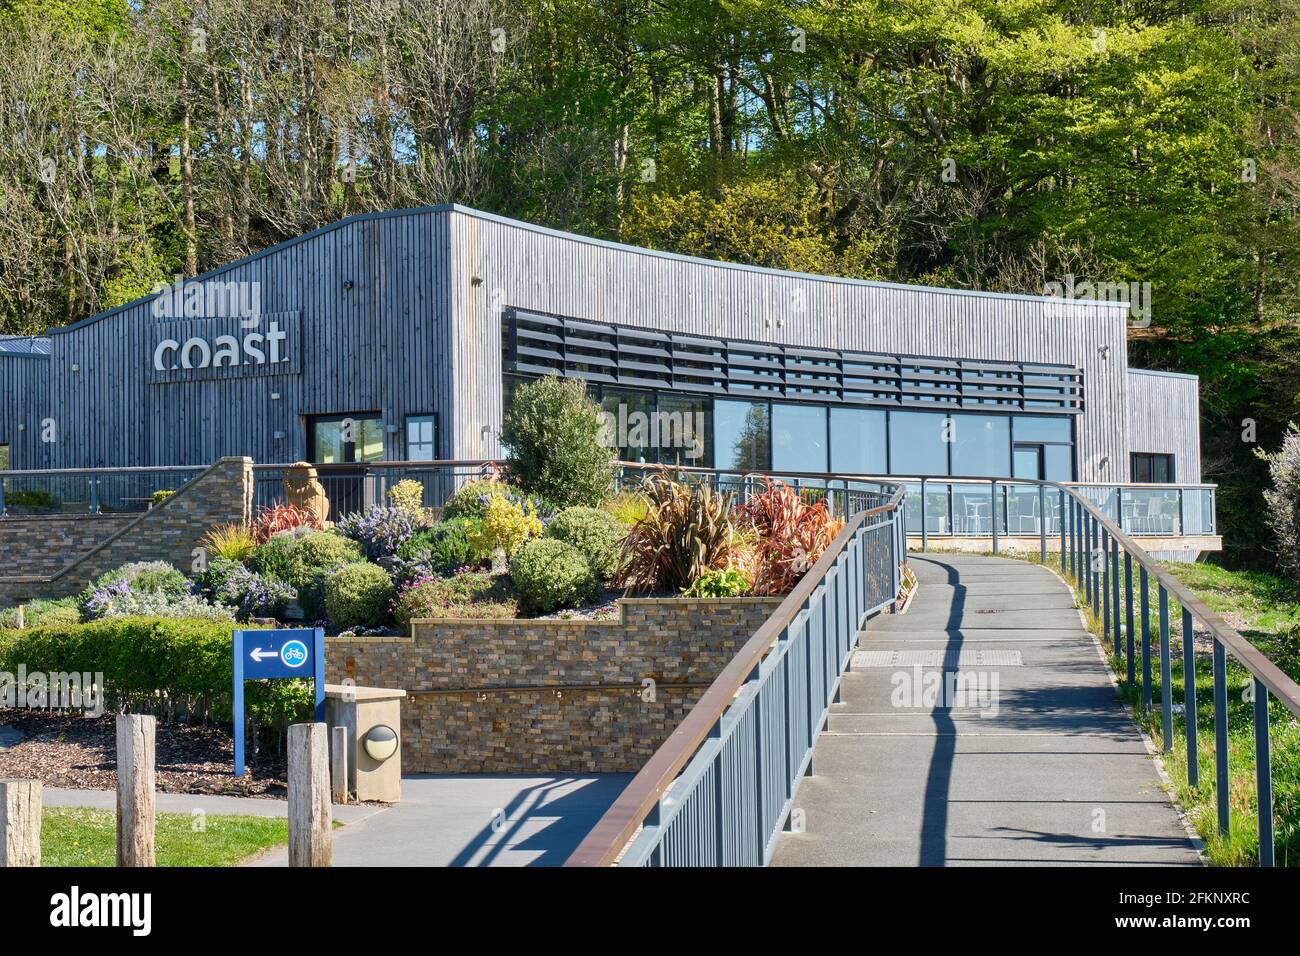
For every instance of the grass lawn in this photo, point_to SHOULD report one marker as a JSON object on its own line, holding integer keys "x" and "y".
{"x": 1265, "y": 610}
{"x": 74, "y": 836}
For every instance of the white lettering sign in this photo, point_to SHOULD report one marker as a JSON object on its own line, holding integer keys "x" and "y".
{"x": 193, "y": 349}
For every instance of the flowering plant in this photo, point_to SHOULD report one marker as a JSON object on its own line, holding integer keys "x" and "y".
{"x": 380, "y": 533}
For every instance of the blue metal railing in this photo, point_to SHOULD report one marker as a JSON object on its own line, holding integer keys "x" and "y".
{"x": 720, "y": 789}
{"x": 1098, "y": 557}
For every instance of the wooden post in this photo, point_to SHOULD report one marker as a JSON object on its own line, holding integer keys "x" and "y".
{"x": 339, "y": 764}
{"x": 310, "y": 812}
{"x": 135, "y": 789}
{"x": 20, "y": 823}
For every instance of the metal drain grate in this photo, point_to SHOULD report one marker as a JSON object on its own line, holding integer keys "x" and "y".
{"x": 948, "y": 660}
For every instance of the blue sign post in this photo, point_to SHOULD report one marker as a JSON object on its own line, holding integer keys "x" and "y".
{"x": 297, "y": 653}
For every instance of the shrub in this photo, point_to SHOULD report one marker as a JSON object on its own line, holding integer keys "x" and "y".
{"x": 408, "y": 495}
{"x": 554, "y": 434}
{"x": 469, "y": 594}
{"x": 321, "y": 550}
{"x": 596, "y": 533}
{"x": 147, "y": 663}
{"x": 272, "y": 519}
{"x": 41, "y": 613}
{"x": 550, "y": 574}
{"x": 231, "y": 541}
{"x": 792, "y": 536}
{"x": 627, "y": 507}
{"x": 130, "y": 603}
{"x": 358, "y": 595}
{"x": 1283, "y": 501}
{"x": 313, "y": 557}
{"x": 725, "y": 582}
{"x": 438, "y": 550}
{"x": 213, "y": 578}
{"x": 505, "y": 525}
{"x": 471, "y": 499}
{"x": 274, "y": 557}
{"x": 686, "y": 531}
{"x": 29, "y": 498}
{"x": 253, "y": 594}
{"x": 140, "y": 577}
{"x": 380, "y": 532}
{"x": 161, "y": 495}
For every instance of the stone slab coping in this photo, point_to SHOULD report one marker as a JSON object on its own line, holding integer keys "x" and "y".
{"x": 343, "y": 691}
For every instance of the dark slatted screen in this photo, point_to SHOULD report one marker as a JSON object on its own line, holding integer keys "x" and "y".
{"x": 538, "y": 344}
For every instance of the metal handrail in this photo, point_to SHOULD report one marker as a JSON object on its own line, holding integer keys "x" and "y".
{"x": 606, "y": 841}
{"x": 1092, "y": 545}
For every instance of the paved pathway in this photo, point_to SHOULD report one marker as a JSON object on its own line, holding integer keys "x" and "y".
{"x": 1037, "y": 763}
{"x": 476, "y": 821}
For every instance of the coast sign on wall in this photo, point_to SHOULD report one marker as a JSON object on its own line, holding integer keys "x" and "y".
{"x": 203, "y": 349}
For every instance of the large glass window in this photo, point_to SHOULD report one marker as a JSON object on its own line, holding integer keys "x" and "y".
{"x": 346, "y": 438}
{"x": 1042, "y": 428}
{"x": 799, "y": 438}
{"x": 683, "y": 430}
{"x": 858, "y": 441}
{"x": 918, "y": 443}
{"x": 742, "y": 438}
{"x": 981, "y": 445}
{"x": 1058, "y": 462}
{"x": 630, "y": 423}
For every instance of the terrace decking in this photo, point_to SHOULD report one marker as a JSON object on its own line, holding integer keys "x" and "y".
{"x": 1053, "y": 772}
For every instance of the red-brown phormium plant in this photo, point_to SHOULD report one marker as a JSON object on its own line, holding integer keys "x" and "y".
{"x": 686, "y": 530}
{"x": 278, "y": 517}
{"x": 792, "y": 536}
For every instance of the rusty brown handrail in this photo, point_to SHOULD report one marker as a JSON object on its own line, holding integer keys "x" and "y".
{"x": 612, "y": 832}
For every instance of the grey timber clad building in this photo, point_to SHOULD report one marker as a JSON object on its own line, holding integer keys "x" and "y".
{"x": 413, "y": 325}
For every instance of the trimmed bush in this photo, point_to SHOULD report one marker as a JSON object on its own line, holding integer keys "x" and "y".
{"x": 152, "y": 665}
{"x": 596, "y": 533}
{"x": 358, "y": 595}
{"x": 550, "y": 574}
{"x": 555, "y": 435}
{"x": 471, "y": 594}
{"x": 313, "y": 558}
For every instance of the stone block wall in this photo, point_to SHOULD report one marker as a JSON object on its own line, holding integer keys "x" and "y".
{"x": 170, "y": 531}
{"x": 527, "y": 696}
{"x": 41, "y": 546}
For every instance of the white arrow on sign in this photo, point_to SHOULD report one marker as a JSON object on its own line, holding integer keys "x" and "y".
{"x": 260, "y": 655}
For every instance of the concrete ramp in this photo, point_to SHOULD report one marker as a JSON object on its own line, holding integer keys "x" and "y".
{"x": 981, "y": 728}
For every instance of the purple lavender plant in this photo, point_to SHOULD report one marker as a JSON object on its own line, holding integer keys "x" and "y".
{"x": 380, "y": 533}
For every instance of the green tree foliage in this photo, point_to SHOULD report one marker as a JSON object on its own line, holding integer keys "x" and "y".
{"x": 989, "y": 144}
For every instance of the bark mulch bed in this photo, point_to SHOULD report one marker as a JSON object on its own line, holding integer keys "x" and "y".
{"x": 78, "y": 752}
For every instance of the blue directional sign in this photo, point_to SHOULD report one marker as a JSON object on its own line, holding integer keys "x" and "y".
{"x": 275, "y": 655}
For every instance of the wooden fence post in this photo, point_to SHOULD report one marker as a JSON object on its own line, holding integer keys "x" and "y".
{"x": 339, "y": 764}
{"x": 135, "y": 789}
{"x": 310, "y": 811}
{"x": 20, "y": 823}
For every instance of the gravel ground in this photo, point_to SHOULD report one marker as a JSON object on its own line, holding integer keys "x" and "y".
{"x": 79, "y": 752}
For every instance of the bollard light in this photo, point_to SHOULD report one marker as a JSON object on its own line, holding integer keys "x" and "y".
{"x": 380, "y": 742}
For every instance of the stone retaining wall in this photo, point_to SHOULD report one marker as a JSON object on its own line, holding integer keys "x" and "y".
{"x": 43, "y": 546}
{"x": 527, "y": 696}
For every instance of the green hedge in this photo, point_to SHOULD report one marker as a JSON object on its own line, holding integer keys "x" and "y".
{"x": 168, "y": 666}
